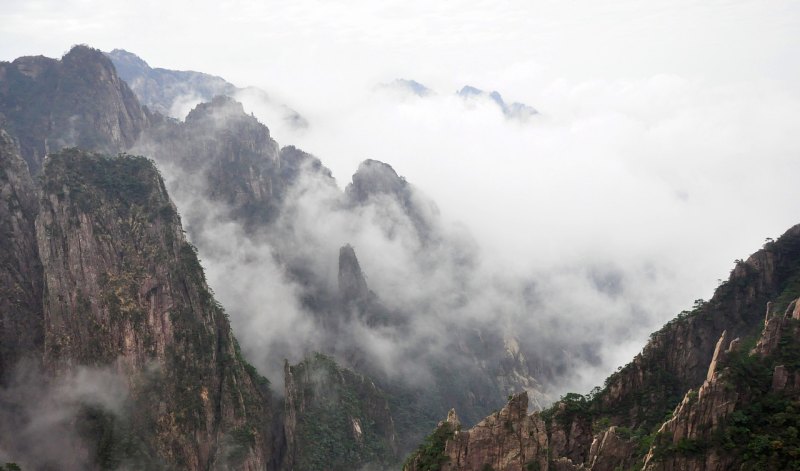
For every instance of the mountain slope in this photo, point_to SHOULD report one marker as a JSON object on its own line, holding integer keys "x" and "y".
{"x": 735, "y": 412}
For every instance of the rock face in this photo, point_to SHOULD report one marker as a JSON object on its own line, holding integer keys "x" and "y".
{"x": 123, "y": 288}
{"x": 227, "y": 156}
{"x": 78, "y": 101}
{"x": 352, "y": 285}
{"x": 21, "y": 331}
{"x": 335, "y": 419}
{"x": 509, "y": 439}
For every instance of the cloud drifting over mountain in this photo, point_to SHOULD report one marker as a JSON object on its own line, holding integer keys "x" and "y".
{"x": 666, "y": 144}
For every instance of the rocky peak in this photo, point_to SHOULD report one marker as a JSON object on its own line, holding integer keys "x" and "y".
{"x": 509, "y": 440}
{"x": 375, "y": 181}
{"x": 352, "y": 284}
{"x": 220, "y": 109}
{"x": 79, "y": 101}
{"x": 375, "y": 178}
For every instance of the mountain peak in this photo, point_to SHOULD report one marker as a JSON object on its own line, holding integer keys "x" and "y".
{"x": 221, "y": 107}
{"x": 352, "y": 284}
{"x": 375, "y": 177}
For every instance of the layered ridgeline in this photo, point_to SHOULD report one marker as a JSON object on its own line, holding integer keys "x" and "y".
{"x": 716, "y": 388}
{"x": 99, "y": 280}
{"x": 225, "y": 170}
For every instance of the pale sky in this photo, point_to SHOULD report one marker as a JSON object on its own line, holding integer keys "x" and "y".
{"x": 668, "y": 134}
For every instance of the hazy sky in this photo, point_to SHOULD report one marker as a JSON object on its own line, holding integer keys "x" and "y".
{"x": 668, "y": 140}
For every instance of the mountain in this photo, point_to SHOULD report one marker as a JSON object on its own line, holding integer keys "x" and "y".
{"x": 514, "y": 110}
{"x": 101, "y": 281}
{"x": 375, "y": 314}
{"x": 411, "y": 87}
{"x": 44, "y": 104}
{"x": 715, "y": 389}
{"x": 122, "y": 290}
{"x": 172, "y": 92}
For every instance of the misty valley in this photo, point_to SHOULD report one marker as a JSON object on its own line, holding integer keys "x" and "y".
{"x": 178, "y": 290}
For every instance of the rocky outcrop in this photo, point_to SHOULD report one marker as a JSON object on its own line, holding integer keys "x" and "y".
{"x": 226, "y": 156}
{"x": 375, "y": 180}
{"x": 610, "y": 452}
{"x": 335, "y": 419}
{"x": 676, "y": 358}
{"x": 681, "y": 440}
{"x": 123, "y": 288}
{"x": 352, "y": 285}
{"x": 78, "y": 101}
{"x": 21, "y": 331}
{"x": 509, "y": 439}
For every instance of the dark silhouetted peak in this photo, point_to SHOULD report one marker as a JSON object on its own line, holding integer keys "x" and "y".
{"x": 85, "y": 55}
{"x": 374, "y": 178}
{"x": 352, "y": 284}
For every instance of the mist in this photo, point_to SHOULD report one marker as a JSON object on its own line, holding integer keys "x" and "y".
{"x": 666, "y": 147}
{"x": 43, "y": 419}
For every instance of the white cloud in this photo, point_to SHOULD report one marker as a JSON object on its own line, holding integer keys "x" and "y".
{"x": 666, "y": 148}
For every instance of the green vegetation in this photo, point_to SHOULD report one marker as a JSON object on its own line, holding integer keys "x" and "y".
{"x": 430, "y": 455}
{"x": 340, "y": 426}
{"x": 765, "y": 428}
{"x": 126, "y": 179}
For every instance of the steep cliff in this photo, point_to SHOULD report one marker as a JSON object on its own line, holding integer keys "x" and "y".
{"x": 745, "y": 415}
{"x": 739, "y": 411}
{"x": 677, "y": 356}
{"x": 123, "y": 288}
{"x": 78, "y": 101}
{"x": 21, "y": 333}
{"x": 335, "y": 419}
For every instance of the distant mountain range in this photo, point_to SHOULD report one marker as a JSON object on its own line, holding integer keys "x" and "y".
{"x": 516, "y": 110}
